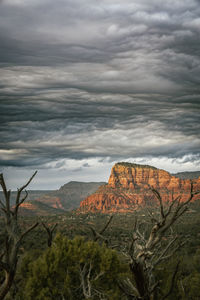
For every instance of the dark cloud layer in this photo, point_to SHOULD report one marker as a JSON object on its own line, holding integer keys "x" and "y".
{"x": 86, "y": 83}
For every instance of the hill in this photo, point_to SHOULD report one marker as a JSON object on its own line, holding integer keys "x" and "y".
{"x": 32, "y": 195}
{"x": 187, "y": 175}
{"x": 37, "y": 208}
{"x": 129, "y": 185}
{"x": 68, "y": 197}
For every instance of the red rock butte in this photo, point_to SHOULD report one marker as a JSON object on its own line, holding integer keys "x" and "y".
{"x": 129, "y": 187}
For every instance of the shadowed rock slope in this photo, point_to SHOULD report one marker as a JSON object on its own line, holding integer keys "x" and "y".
{"x": 68, "y": 197}
{"x": 129, "y": 188}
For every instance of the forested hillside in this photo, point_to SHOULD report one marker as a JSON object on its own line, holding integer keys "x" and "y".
{"x": 150, "y": 253}
{"x": 48, "y": 266}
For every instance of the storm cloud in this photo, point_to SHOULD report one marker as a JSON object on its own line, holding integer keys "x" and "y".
{"x": 84, "y": 84}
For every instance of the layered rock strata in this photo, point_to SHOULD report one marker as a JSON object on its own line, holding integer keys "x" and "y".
{"x": 129, "y": 187}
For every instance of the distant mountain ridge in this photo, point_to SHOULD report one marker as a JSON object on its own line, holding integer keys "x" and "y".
{"x": 129, "y": 185}
{"x": 35, "y": 207}
{"x": 32, "y": 195}
{"x": 187, "y": 175}
{"x": 68, "y": 197}
{"x": 71, "y": 194}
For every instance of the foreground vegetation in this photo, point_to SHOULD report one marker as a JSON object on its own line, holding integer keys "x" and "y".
{"x": 95, "y": 256}
{"x": 38, "y": 262}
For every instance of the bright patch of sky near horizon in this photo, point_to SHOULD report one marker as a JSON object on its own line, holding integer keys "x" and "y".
{"x": 85, "y": 84}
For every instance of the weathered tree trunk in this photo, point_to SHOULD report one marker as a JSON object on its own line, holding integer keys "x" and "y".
{"x": 9, "y": 254}
{"x": 49, "y": 232}
{"x": 146, "y": 252}
{"x": 9, "y": 277}
{"x": 140, "y": 280}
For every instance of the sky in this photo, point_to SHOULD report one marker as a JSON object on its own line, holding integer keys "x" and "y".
{"x": 86, "y": 84}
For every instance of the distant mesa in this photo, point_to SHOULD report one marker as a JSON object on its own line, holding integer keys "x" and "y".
{"x": 35, "y": 207}
{"x": 129, "y": 185}
{"x": 128, "y": 188}
{"x": 68, "y": 197}
{"x": 187, "y": 175}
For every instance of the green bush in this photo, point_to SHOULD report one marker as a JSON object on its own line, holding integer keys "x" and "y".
{"x": 56, "y": 275}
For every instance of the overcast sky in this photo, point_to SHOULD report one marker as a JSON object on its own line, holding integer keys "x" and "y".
{"x": 85, "y": 84}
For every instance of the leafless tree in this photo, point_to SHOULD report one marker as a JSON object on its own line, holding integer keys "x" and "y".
{"x": 99, "y": 235}
{"x": 147, "y": 251}
{"x": 49, "y": 232}
{"x": 13, "y": 235}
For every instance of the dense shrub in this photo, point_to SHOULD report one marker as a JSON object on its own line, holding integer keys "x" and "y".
{"x": 57, "y": 273}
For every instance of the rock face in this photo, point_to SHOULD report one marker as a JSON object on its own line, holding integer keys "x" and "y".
{"x": 51, "y": 201}
{"x": 72, "y": 193}
{"x": 129, "y": 188}
{"x": 68, "y": 197}
{"x": 35, "y": 208}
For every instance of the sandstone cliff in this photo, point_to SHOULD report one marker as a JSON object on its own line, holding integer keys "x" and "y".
{"x": 129, "y": 188}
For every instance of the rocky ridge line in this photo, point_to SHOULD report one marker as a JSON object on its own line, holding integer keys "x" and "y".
{"x": 129, "y": 188}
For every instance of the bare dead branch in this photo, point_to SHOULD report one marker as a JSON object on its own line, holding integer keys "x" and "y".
{"x": 3, "y": 185}
{"x": 85, "y": 274}
{"x": 19, "y": 203}
{"x": 160, "y": 202}
{"x": 168, "y": 212}
{"x": 99, "y": 275}
{"x": 4, "y": 266}
{"x": 23, "y": 199}
{"x": 4, "y": 210}
{"x": 28, "y": 182}
{"x": 172, "y": 282}
{"x": 147, "y": 251}
{"x": 162, "y": 255}
{"x": 27, "y": 231}
{"x": 6, "y": 196}
{"x": 13, "y": 239}
{"x": 46, "y": 228}
{"x": 99, "y": 235}
{"x": 49, "y": 233}
{"x": 155, "y": 286}
{"x": 19, "y": 191}
{"x": 131, "y": 248}
{"x": 96, "y": 236}
{"x": 127, "y": 287}
{"x": 54, "y": 227}
{"x": 153, "y": 219}
{"x": 2, "y": 205}
{"x": 135, "y": 224}
{"x": 106, "y": 226}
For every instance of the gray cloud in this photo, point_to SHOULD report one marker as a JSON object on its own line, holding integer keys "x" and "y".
{"x": 100, "y": 81}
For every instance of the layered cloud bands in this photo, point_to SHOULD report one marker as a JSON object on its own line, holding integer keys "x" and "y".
{"x": 87, "y": 83}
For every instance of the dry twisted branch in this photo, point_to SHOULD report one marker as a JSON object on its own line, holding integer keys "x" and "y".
{"x": 14, "y": 237}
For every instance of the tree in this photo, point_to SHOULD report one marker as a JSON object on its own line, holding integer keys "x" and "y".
{"x": 148, "y": 251}
{"x": 49, "y": 232}
{"x": 98, "y": 236}
{"x": 189, "y": 278}
{"x": 189, "y": 286}
{"x": 74, "y": 269}
{"x": 13, "y": 235}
